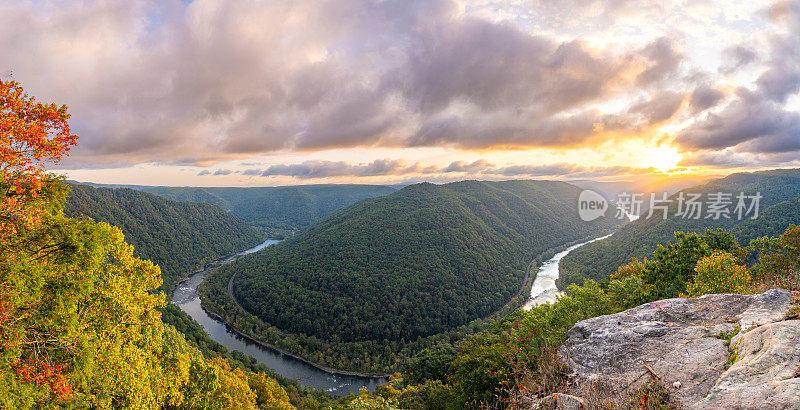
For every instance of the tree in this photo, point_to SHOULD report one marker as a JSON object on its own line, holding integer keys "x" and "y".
{"x": 31, "y": 134}
{"x": 719, "y": 273}
{"x": 779, "y": 260}
{"x": 79, "y": 319}
{"x": 667, "y": 275}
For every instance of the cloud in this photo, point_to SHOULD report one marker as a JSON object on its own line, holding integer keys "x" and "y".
{"x": 478, "y": 168}
{"x": 204, "y": 81}
{"x": 663, "y": 59}
{"x": 737, "y": 57}
{"x": 223, "y": 172}
{"x": 204, "y": 172}
{"x": 326, "y": 169}
{"x": 659, "y": 108}
{"x": 571, "y": 170}
{"x": 751, "y": 122}
{"x": 755, "y": 121}
{"x": 473, "y": 167}
{"x": 730, "y": 159}
{"x": 705, "y": 97}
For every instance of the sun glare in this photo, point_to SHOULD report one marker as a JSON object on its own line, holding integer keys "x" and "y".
{"x": 662, "y": 158}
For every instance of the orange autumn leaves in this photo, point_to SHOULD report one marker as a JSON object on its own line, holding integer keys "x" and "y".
{"x": 31, "y": 134}
{"x": 44, "y": 374}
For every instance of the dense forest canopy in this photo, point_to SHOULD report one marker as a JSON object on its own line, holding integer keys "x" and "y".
{"x": 422, "y": 261}
{"x": 778, "y": 208}
{"x": 178, "y": 236}
{"x": 280, "y": 209}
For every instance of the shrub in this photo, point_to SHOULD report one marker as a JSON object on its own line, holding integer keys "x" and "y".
{"x": 719, "y": 273}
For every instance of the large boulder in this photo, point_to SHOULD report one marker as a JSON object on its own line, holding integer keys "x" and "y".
{"x": 680, "y": 341}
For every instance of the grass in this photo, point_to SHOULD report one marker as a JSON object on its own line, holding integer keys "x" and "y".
{"x": 733, "y": 352}
{"x": 727, "y": 336}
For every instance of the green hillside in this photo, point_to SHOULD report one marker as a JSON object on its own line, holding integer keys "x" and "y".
{"x": 178, "y": 236}
{"x": 638, "y": 239}
{"x": 384, "y": 272}
{"x": 278, "y": 208}
{"x": 771, "y": 222}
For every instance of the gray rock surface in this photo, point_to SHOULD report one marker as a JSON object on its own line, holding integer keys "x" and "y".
{"x": 765, "y": 371}
{"x": 677, "y": 339}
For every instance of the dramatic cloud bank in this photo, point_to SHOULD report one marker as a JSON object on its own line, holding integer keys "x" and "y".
{"x": 195, "y": 83}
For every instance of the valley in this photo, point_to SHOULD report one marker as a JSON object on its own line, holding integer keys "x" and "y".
{"x": 186, "y": 297}
{"x": 309, "y": 374}
{"x": 425, "y": 264}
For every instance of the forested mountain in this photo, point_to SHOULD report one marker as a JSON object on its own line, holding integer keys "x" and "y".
{"x": 771, "y": 222}
{"x": 178, "y": 236}
{"x": 359, "y": 285}
{"x": 638, "y": 239}
{"x": 278, "y": 208}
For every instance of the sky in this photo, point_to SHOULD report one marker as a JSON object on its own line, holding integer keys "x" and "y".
{"x": 262, "y": 93}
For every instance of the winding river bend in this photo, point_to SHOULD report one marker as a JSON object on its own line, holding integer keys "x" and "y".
{"x": 544, "y": 286}
{"x": 186, "y": 297}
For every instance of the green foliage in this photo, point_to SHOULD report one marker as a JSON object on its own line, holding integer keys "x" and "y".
{"x": 386, "y": 275}
{"x": 179, "y": 237}
{"x": 195, "y": 335}
{"x": 719, "y": 273}
{"x": 517, "y": 351}
{"x": 628, "y": 285}
{"x": 638, "y": 239}
{"x": 779, "y": 256}
{"x": 480, "y": 369}
{"x": 281, "y": 209}
{"x": 79, "y": 327}
{"x": 432, "y": 394}
{"x": 514, "y": 360}
{"x": 673, "y": 266}
{"x": 771, "y": 222}
{"x": 727, "y": 336}
{"x": 655, "y": 396}
{"x": 431, "y": 363}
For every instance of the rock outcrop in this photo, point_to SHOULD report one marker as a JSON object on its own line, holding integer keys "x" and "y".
{"x": 683, "y": 342}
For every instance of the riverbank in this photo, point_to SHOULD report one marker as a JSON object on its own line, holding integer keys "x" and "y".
{"x": 544, "y": 289}
{"x": 285, "y": 364}
{"x": 219, "y": 299}
{"x": 293, "y": 356}
{"x": 224, "y": 260}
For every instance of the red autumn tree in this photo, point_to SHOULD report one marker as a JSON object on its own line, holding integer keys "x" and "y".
{"x": 31, "y": 134}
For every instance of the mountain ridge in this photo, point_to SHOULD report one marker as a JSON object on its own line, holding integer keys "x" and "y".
{"x": 363, "y": 264}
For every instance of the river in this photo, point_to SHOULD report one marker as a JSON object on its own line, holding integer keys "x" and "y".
{"x": 544, "y": 286}
{"x": 185, "y": 297}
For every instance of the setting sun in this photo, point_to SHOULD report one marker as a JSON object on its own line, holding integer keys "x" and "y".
{"x": 663, "y": 158}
